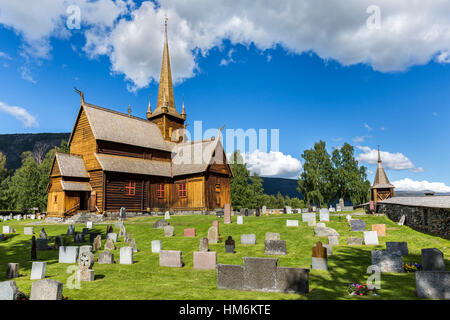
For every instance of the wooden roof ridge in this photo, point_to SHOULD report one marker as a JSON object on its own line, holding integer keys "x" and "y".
{"x": 89, "y": 105}
{"x": 381, "y": 180}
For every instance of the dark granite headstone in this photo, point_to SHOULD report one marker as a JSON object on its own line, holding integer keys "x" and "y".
{"x": 85, "y": 230}
{"x": 33, "y": 248}
{"x": 123, "y": 213}
{"x": 292, "y": 280}
{"x": 79, "y": 238}
{"x": 42, "y": 244}
{"x": 109, "y": 229}
{"x": 397, "y": 247}
{"x": 432, "y": 260}
{"x": 258, "y": 212}
{"x": 92, "y": 236}
{"x": 357, "y": 225}
{"x": 260, "y": 273}
{"x": 230, "y": 276}
{"x": 58, "y": 242}
{"x": 71, "y": 229}
{"x": 433, "y": 284}
{"x": 246, "y": 212}
{"x": 161, "y": 223}
{"x": 275, "y": 247}
{"x": 229, "y": 245}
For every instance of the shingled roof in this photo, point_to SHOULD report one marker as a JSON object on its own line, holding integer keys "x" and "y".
{"x": 109, "y": 125}
{"x": 71, "y": 165}
{"x": 75, "y": 186}
{"x": 381, "y": 180}
{"x": 134, "y": 165}
{"x": 430, "y": 201}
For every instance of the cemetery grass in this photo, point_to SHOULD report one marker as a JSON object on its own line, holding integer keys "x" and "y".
{"x": 146, "y": 280}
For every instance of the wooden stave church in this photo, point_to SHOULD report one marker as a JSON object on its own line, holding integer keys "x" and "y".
{"x": 119, "y": 160}
{"x": 381, "y": 188}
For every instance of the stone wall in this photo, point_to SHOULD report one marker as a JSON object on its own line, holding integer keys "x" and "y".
{"x": 425, "y": 219}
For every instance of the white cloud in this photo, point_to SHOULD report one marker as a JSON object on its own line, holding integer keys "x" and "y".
{"x": 410, "y": 33}
{"x": 369, "y": 128}
{"x": 360, "y": 139}
{"x": 20, "y": 114}
{"x": 5, "y": 56}
{"x": 393, "y": 161}
{"x": 412, "y": 185}
{"x": 273, "y": 164}
{"x": 26, "y": 74}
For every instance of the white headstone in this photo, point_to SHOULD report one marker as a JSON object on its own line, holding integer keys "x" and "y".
{"x": 371, "y": 238}
{"x": 332, "y": 209}
{"x": 6, "y": 229}
{"x": 112, "y": 236}
{"x": 291, "y": 223}
{"x": 349, "y": 217}
{"x": 167, "y": 215}
{"x": 264, "y": 209}
{"x": 240, "y": 220}
{"x": 324, "y": 215}
{"x": 8, "y": 290}
{"x": 38, "y": 270}
{"x": 126, "y": 255}
{"x": 156, "y": 246}
{"x": 288, "y": 209}
{"x": 68, "y": 254}
{"x": 89, "y": 225}
{"x": 29, "y": 231}
{"x": 312, "y": 221}
{"x": 402, "y": 220}
{"x": 321, "y": 225}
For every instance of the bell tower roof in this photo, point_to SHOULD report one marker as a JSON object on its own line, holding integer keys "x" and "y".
{"x": 381, "y": 180}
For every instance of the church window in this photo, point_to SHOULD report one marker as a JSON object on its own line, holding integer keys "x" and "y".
{"x": 182, "y": 190}
{"x": 160, "y": 190}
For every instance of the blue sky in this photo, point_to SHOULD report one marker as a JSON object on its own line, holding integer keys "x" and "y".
{"x": 242, "y": 78}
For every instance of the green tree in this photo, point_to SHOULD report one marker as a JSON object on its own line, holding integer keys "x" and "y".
{"x": 316, "y": 180}
{"x": 5, "y": 195}
{"x": 350, "y": 180}
{"x": 64, "y": 148}
{"x": 257, "y": 191}
{"x": 239, "y": 187}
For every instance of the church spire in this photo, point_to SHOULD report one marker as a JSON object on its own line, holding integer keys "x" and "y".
{"x": 165, "y": 91}
{"x": 183, "y": 112}
{"x": 381, "y": 179}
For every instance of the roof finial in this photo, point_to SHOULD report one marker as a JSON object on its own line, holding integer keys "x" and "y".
{"x": 183, "y": 111}
{"x": 165, "y": 25}
{"x": 80, "y": 93}
{"x": 379, "y": 155}
{"x": 149, "y": 109}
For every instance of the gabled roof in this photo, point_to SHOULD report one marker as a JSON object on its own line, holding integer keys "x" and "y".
{"x": 381, "y": 180}
{"x": 109, "y": 125}
{"x": 134, "y": 165}
{"x": 430, "y": 201}
{"x": 71, "y": 165}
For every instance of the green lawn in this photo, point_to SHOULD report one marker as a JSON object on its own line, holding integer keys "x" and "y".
{"x": 146, "y": 280}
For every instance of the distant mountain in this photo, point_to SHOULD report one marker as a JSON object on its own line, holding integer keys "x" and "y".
{"x": 12, "y": 145}
{"x": 417, "y": 193}
{"x": 287, "y": 187}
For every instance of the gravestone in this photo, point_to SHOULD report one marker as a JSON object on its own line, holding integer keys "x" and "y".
{"x": 248, "y": 239}
{"x": 85, "y": 263}
{"x": 349, "y": 217}
{"x": 212, "y": 235}
{"x": 402, "y": 220}
{"x": 92, "y": 236}
{"x": 227, "y": 214}
{"x": 112, "y": 236}
{"x": 357, "y": 225}
{"x": 9, "y": 290}
{"x": 333, "y": 240}
{"x": 161, "y": 223}
{"x": 71, "y": 230}
{"x": 325, "y": 232}
{"x": 47, "y": 289}
{"x": 229, "y": 245}
{"x": 341, "y": 203}
{"x": 12, "y": 270}
{"x": 380, "y": 229}
{"x": 85, "y": 231}
{"x": 170, "y": 258}
{"x": 126, "y": 255}
{"x": 78, "y": 238}
{"x": 123, "y": 213}
{"x": 355, "y": 241}
{"x": 43, "y": 234}
{"x": 292, "y": 280}
{"x": 38, "y": 270}
{"x": 432, "y": 260}
{"x": 400, "y": 248}
{"x": 264, "y": 209}
{"x": 68, "y": 254}
{"x": 109, "y": 245}
{"x": 216, "y": 224}
{"x": 324, "y": 215}
{"x": 370, "y": 238}
{"x": 258, "y": 212}
{"x": 312, "y": 221}
{"x": 33, "y": 248}
{"x": 242, "y": 211}
{"x": 321, "y": 225}
{"x": 105, "y": 257}
{"x": 205, "y": 260}
{"x": 89, "y": 225}
{"x": 167, "y": 215}
{"x": 133, "y": 245}
{"x": 189, "y": 232}
{"x": 272, "y": 236}
{"x": 307, "y": 216}
{"x": 240, "y": 220}
{"x": 291, "y": 223}
{"x": 387, "y": 262}
{"x": 156, "y": 246}
{"x": 122, "y": 230}
{"x": 331, "y": 209}
{"x": 433, "y": 284}
{"x": 58, "y": 242}
{"x": 29, "y": 231}
{"x": 204, "y": 245}
{"x": 42, "y": 244}
{"x": 275, "y": 247}
{"x": 97, "y": 244}
{"x": 126, "y": 238}
{"x": 109, "y": 229}
{"x": 319, "y": 257}
{"x": 329, "y": 248}
{"x": 169, "y": 231}
{"x": 288, "y": 209}
{"x": 230, "y": 276}
{"x": 84, "y": 249}
{"x": 260, "y": 273}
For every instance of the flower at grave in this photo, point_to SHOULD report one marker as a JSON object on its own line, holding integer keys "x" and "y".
{"x": 412, "y": 267}
{"x": 361, "y": 289}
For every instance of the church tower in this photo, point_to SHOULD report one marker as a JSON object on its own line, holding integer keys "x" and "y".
{"x": 382, "y": 189}
{"x": 166, "y": 115}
